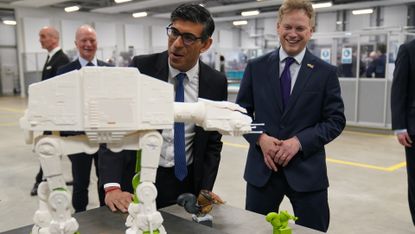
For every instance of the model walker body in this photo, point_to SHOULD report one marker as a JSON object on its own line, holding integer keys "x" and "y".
{"x": 123, "y": 109}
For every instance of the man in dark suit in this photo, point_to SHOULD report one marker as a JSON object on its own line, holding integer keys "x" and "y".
{"x": 377, "y": 67}
{"x": 297, "y": 96}
{"x": 403, "y": 111}
{"x": 49, "y": 39}
{"x": 189, "y": 35}
{"x": 86, "y": 43}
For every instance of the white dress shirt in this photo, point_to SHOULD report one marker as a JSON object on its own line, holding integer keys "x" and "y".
{"x": 294, "y": 68}
{"x": 191, "y": 93}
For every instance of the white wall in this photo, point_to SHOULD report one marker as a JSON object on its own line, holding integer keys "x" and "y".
{"x": 358, "y": 22}
{"x": 68, "y": 30}
{"x": 395, "y": 16}
{"x": 8, "y": 35}
{"x": 326, "y": 22}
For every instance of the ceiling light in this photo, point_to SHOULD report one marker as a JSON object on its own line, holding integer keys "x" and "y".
{"x": 322, "y": 5}
{"x": 72, "y": 8}
{"x": 121, "y": 1}
{"x": 362, "y": 11}
{"x": 201, "y": 4}
{"x": 249, "y": 13}
{"x": 140, "y": 14}
{"x": 9, "y": 22}
{"x": 240, "y": 22}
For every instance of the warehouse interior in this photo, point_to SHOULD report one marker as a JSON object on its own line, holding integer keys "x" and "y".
{"x": 366, "y": 164}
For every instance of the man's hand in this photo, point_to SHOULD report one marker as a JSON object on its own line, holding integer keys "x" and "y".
{"x": 118, "y": 200}
{"x": 269, "y": 147}
{"x": 404, "y": 139}
{"x": 287, "y": 150}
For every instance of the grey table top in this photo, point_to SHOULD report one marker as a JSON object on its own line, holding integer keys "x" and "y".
{"x": 226, "y": 219}
{"x": 234, "y": 220}
{"x": 103, "y": 221}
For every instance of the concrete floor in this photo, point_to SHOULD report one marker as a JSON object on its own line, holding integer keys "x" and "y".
{"x": 367, "y": 178}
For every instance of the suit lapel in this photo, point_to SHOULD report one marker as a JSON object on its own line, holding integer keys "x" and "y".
{"x": 203, "y": 81}
{"x": 77, "y": 64}
{"x": 51, "y": 59}
{"x": 306, "y": 69}
{"x": 274, "y": 78}
{"x": 163, "y": 67}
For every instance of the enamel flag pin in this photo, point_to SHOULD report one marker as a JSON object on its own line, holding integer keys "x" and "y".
{"x": 310, "y": 65}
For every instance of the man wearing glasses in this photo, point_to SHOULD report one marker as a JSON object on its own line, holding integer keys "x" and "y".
{"x": 190, "y": 156}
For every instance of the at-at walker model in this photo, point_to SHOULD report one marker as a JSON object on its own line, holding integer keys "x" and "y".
{"x": 123, "y": 109}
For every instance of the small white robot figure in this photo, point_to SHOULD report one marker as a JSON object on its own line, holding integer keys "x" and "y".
{"x": 125, "y": 110}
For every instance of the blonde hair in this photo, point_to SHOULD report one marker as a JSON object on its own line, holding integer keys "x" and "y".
{"x": 290, "y": 5}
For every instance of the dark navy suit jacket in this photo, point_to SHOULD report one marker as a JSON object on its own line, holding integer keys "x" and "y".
{"x": 58, "y": 60}
{"x": 403, "y": 89}
{"x": 314, "y": 113}
{"x": 76, "y": 65}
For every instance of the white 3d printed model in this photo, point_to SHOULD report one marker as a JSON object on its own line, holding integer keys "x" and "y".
{"x": 119, "y": 107}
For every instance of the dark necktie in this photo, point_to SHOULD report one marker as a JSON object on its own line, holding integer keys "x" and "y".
{"x": 180, "y": 168}
{"x": 285, "y": 81}
{"x": 46, "y": 63}
{"x": 90, "y": 64}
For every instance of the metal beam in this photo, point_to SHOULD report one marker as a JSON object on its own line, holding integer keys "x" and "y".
{"x": 142, "y": 5}
{"x": 36, "y": 3}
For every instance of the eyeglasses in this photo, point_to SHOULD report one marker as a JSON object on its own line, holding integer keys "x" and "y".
{"x": 188, "y": 38}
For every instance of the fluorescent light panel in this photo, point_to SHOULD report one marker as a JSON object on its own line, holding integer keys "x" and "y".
{"x": 121, "y": 1}
{"x": 140, "y": 14}
{"x": 250, "y": 13}
{"x": 322, "y": 5}
{"x": 362, "y": 11}
{"x": 9, "y": 22}
{"x": 240, "y": 22}
{"x": 72, "y": 8}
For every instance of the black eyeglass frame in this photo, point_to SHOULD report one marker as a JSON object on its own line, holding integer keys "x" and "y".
{"x": 188, "y": 38}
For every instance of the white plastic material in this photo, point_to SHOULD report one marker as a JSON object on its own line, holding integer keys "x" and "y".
{"x": 119, "y": 107}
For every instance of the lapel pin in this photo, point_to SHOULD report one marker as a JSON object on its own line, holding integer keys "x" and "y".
{"x": 310, "y": 65}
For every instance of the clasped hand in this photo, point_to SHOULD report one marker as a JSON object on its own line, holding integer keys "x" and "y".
{"x": 278, "y": 152}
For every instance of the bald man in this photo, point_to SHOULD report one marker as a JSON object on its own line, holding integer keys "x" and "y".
{"x": 49, "y": 40}
{"x": 87, "y": 44}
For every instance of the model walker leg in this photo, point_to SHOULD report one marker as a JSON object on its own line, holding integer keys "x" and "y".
{"x": 54, "y": 213}
{"x": 143, "y": 216}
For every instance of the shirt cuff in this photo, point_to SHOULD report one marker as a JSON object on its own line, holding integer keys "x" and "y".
{"x": 399, "y": 131}
{"x": 107, "y": 185}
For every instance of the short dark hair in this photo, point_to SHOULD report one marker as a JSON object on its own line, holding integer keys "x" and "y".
{"x": 197, "y": 14}
{"x": 382, "y": 48}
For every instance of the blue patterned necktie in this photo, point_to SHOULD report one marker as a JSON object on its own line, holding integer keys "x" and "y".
{"x": 285, "y": 81}
{"x": 180, "y": 167}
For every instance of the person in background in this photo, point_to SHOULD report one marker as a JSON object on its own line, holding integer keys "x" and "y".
{"x": 403, "y": 112}
{"x": 222, "y": 64}
{"x": 86, "y": 43}
{"x": 377, "y": 67}
{"x": 49, "y": 40}
{"x": 190, "y": 156}
{"x": 297, "y": 97}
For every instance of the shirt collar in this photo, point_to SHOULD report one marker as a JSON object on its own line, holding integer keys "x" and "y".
{"x": 191, "y": 74}
{"x": 53, "y": 52}
{"x": 83, "y": 61}
{"x": 298, "y": 58}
